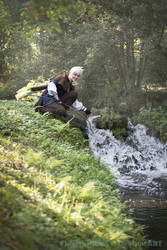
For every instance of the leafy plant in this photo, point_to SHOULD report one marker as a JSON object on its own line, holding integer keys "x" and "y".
{"x": 54, "y": 194}
{"x": 155, "y": 119}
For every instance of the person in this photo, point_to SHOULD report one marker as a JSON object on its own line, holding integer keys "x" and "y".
{"x": 61, "y": 93}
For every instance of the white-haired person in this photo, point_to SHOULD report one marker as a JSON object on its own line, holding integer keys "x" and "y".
{"x": 61, "y": 93}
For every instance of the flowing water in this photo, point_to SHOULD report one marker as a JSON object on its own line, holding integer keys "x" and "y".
{"x": 140, "y": 167}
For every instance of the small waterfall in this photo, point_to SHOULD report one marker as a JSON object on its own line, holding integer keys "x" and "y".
{"x": 139, "y": 163}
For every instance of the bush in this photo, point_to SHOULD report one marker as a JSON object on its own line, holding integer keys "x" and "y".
{"x": 155, "y": 119}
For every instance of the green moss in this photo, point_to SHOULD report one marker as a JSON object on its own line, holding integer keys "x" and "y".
{"x": 116, "y": 123}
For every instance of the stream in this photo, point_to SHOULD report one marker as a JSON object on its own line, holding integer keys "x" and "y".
{"x": 140, "y": 167}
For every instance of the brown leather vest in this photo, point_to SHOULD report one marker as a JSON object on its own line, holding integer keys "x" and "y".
{"x": 64, "y": 82}
{"x": 60, "y": 79}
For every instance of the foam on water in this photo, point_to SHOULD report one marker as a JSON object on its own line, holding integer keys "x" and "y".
{"x": 139, "y": 163}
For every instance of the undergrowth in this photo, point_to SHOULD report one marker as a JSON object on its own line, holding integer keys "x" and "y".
{"x": 155, "y": 119}
{"x": 54, "y": 194}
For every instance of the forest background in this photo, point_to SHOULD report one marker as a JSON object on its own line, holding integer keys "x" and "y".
{"x": 122, "y": 44}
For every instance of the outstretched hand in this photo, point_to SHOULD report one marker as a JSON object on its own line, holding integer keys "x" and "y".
{"x": 90, "y": 115}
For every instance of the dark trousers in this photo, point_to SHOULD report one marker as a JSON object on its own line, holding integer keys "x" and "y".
{"x": 60, "y": 109}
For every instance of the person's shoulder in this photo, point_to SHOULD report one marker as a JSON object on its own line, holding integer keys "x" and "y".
{"x": 59, "y": 77}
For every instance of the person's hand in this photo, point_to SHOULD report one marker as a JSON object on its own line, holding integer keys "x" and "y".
{"x": 90, "y": 115}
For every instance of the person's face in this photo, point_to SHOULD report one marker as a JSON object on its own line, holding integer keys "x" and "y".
{"x": 73, "y": 77}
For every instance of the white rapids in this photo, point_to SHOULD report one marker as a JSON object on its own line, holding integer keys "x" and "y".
{"x": 139, "y": 163}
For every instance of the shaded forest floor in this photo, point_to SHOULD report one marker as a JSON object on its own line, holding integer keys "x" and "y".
{"x": 54, "y": 194}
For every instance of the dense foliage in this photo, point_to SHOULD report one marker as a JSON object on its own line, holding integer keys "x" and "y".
{"x": 121, "y": 44}
{"x": 54, "y": 194}
{"x": 155, "y": 119}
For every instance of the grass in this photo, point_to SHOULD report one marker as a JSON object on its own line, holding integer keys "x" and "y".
{"x": 54, "y": 194}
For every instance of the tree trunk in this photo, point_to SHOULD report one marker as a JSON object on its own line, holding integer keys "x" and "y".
{"x": 2, "y": 63}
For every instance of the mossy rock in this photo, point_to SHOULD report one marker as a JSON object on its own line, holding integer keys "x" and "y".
{"x": 118, "y": 126}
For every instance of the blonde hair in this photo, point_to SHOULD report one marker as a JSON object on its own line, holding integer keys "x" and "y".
{"x": 77, "y": 69}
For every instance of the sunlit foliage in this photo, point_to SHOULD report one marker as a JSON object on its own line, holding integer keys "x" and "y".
{"x": 54, "y": 194}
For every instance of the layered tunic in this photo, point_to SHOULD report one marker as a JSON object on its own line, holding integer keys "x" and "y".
{"x": 57, "y": 88}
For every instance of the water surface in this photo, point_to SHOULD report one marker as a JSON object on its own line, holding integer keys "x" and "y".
{"x": 140, "y": 167}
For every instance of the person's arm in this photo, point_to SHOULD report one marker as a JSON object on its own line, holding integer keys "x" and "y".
{"x": 52, "y": 90}
{"x": 79, "y": 106}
